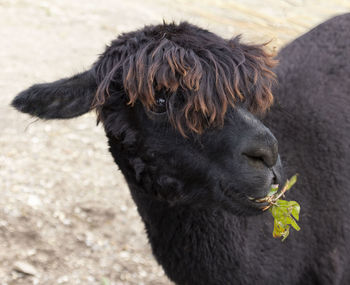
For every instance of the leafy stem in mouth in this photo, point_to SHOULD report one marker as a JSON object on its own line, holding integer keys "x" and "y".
{"x": 273, "y": 196}
{"x": 285, "y": 213}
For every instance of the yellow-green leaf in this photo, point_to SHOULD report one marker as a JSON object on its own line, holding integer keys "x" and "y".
{"x": 294, "y": 225}
{"x": 296, "y": 210}
{"x": 291, "y": 181}
{"x": 285, "y": 213}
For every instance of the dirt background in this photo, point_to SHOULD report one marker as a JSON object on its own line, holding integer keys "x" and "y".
{"x": 66, "y": 216}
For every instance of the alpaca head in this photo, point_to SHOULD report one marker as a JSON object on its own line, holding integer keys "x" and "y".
{"x": 179, "y": 107}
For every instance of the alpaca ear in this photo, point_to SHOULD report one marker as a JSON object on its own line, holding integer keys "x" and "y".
{"x": 62, "y": 99}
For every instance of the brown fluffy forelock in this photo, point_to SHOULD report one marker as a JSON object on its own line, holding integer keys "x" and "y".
{"x": 210, "y": 77}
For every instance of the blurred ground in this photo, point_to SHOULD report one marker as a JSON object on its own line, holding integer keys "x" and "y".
{"x": 66, "y": 216}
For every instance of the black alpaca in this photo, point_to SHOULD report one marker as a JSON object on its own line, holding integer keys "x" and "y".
{"x": 177, "y": 104}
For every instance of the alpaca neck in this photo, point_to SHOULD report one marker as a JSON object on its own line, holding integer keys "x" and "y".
{"x": 194, "y": 246}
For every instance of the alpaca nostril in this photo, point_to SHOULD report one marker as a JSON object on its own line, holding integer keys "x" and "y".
{"x": 263, "y": 156}
{"x": 266, "y": 154}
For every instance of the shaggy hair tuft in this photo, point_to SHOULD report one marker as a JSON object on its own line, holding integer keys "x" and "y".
{"x": 200, "y": 76}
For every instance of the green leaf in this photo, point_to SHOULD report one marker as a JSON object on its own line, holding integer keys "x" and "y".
{"x": 276, "y": 212}
{"x": 294, "y": 224}
{"x": 278, "y": 229}
{"x": 296, "y": 210}
{"x": 285, "y": 234}
{"x": 285, "y": 213}
{"x": 282, "y": 203}
{"x": 273, "y": 191}
{"x": 290, "y": 182}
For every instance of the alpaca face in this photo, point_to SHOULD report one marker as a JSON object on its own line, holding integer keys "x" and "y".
{"x": 177, "y": 104}
{"x": 223, "y": 167}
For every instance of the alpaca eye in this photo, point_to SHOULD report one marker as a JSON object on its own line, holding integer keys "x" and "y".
{"x": 160, "y": 102}
{"x": 160, "y": 105}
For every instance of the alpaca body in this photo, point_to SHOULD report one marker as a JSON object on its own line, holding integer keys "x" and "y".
{"x": 311, "y": 120}
{"x": 177, "y": 104}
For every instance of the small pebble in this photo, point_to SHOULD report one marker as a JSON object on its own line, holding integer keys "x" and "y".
{"x": 26, "y": 268}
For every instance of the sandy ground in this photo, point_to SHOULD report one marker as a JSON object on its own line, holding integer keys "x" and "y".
{"x": 66, "y": 216}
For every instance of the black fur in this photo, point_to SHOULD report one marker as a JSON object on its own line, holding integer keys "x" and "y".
{"x": 311, "y": 119}
{"x": 192, "y": 192}
{"x": 63, "y": 99}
